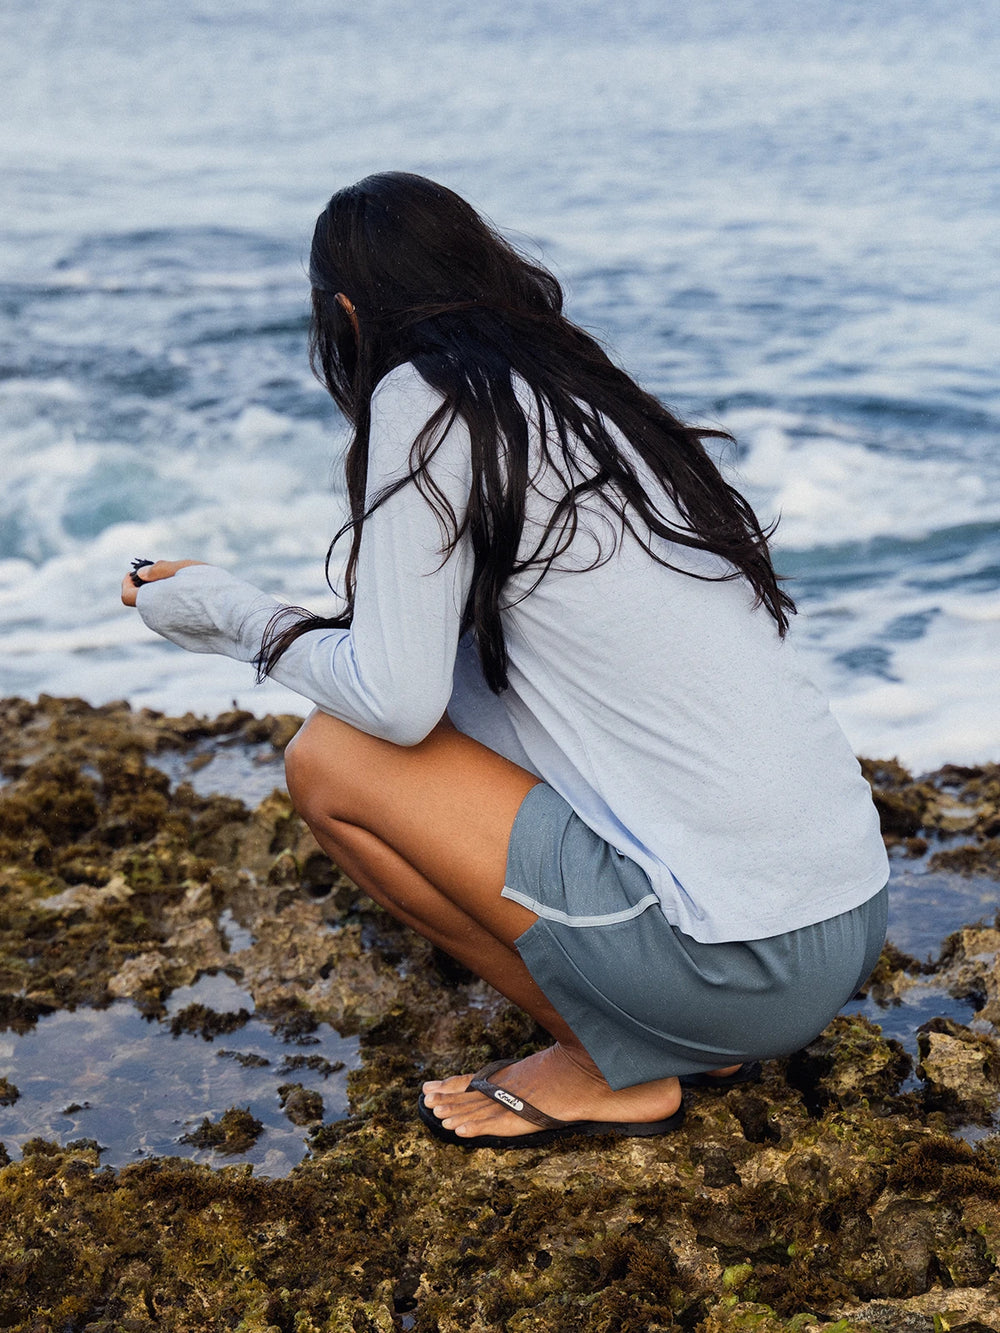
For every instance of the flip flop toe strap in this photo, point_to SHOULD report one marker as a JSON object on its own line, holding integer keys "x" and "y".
{"x": 481, "y": 1083}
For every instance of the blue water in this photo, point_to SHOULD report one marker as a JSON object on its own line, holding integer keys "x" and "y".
{"x": 136, "y": 1089}
{"x": 784, "y": 217}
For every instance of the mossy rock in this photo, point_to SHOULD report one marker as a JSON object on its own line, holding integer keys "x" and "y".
{"x": 961, "y": 1069}
{"x": 825, "y": 1197}
{"x": 850, "y": 1061}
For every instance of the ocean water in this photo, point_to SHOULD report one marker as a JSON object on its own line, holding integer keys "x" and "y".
{"x": 783, "y": 216}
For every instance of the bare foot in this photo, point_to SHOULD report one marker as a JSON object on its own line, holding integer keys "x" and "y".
{"x": 555, "y": 1082}
{"x": 724, "y": 1073}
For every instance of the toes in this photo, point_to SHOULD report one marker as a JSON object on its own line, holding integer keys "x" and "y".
{"x": 464, "y": 1112}
{"x": 434, "y": 1087}
{"x": 445, "y": 1105}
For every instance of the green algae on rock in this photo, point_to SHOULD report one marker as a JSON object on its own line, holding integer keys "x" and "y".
{"x": 831, "y": 1196}
{"x": 849, "y": 1062}
{"x": 843, "y": 1210}
{"x": 234, "y": 1132}
{"x": 303, "y": 1106}
{"x": 207, "y": 1022}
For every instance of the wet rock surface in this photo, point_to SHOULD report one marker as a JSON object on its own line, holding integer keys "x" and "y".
{"x": 234, "y": 1132}
{"x": 836, "y": 1194}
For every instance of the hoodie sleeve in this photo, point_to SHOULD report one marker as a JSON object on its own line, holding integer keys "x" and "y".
{"x": 390, "y": 674}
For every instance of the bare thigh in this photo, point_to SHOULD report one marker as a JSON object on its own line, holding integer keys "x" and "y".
{"x": 446, "y": 806}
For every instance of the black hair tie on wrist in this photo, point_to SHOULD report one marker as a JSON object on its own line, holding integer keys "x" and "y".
{"x": 134, "y": 575}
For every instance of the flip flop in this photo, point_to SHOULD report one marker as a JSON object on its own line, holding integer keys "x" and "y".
{"x": 550, "y": 1129}
{"x": 750, "y": 1072}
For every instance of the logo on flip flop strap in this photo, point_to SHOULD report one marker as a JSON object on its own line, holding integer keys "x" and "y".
{"x": 509, "y": 1099}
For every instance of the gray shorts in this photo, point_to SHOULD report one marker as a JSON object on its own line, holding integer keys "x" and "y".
{"x": 646, "y": 1000}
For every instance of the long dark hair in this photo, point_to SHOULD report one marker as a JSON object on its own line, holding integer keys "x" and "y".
{"x": 428, "y": 281}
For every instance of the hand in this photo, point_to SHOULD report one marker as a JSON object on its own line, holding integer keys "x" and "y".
{"x": 162, "y": 569}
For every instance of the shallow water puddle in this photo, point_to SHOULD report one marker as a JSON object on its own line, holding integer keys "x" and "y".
{"x": 899, "y": 1022}
{"x": 925, "y": 906}
{"x": 228, "y": 766}
{"x": 921, "y": 1003}
{"x": 127, "y": 1082}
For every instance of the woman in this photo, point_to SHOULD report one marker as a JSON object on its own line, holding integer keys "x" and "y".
{"x": 560, "y": 731}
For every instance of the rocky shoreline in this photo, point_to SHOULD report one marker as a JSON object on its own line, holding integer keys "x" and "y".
{"x": 856, "y": 1188}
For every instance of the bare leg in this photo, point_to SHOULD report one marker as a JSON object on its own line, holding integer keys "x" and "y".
{"x": 424, "y": 830}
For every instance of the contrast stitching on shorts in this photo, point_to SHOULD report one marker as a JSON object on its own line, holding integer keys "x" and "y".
{"x": 564, "y": 918}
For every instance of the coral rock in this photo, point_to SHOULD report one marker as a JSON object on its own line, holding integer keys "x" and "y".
{"x": 961, "y": 1068}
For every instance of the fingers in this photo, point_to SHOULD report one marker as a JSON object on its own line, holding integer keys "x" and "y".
{"x": 164, "y": 569}
{"x": 129, "y": 591}
{"x": 160, "y": 569}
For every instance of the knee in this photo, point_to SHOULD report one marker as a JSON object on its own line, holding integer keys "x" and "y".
{"x": 331, "y": 770}
{"x": 311, "y": 767}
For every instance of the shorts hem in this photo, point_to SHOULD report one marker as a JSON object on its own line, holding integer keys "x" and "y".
{"x": 566, "y": 919}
